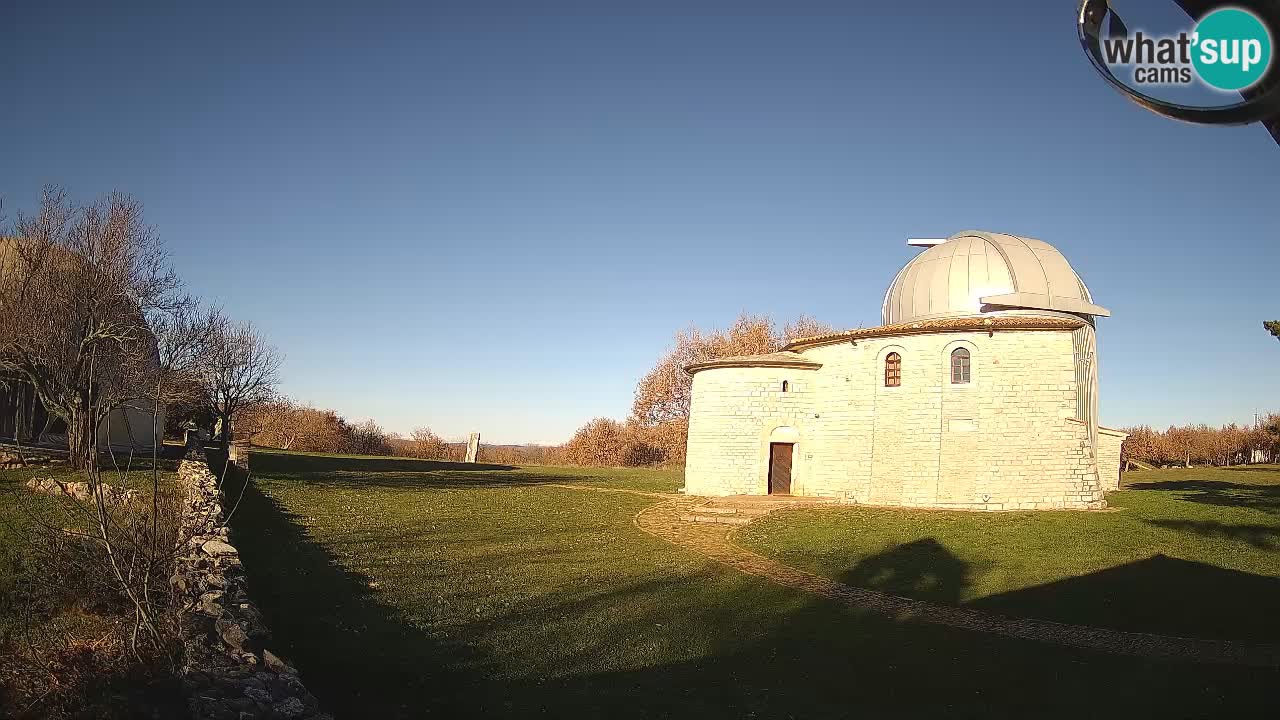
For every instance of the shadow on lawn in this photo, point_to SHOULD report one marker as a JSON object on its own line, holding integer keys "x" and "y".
{"x": 329, "y": 621}
{"x": 1224, "y": 493}
{"x": 758, "y": 651}
{"x": 408, "y": 473}
{"x": 290, "y": 464}
{"x": 1159, "y": 594}
{"x": 923, "y": 569}
{"x": 1263, "y": 537}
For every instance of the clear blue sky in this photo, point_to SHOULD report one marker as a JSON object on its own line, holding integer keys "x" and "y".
{"x": 494, "y": 216}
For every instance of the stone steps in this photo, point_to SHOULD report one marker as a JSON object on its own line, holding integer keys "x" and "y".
{"x": 771, "y": 500}
{"x": 742, "y": 509}
{"x": 717, "y": 518}
{"x": 721, "y": 510}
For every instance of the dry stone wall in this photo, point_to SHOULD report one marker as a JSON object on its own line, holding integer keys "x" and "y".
{"x": 229, "y": 673}
{"x": 81, "y": 491}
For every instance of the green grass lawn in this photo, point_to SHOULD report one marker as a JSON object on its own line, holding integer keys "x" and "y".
{"x": 22, "y": 512}
{"x": 18, "y": 511}
{"x": 61, "y": 621}
{"x": 1191, "y": 552}
{"x": 406, "y": 588}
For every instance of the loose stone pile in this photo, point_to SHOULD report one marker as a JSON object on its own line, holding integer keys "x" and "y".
{"x": 80, "y": 490}
{"x": 229, "y": 674}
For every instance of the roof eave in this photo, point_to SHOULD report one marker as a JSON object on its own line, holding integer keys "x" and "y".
{"x": 941, "y": 325}
{"x": 748, "y": 363}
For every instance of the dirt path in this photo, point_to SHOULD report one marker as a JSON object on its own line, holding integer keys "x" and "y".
{"x": 713, "y": 541}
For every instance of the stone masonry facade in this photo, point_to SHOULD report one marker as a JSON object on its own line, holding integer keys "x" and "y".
{"x": 1007, "y": 440}
{"x": 1110, "y": 443}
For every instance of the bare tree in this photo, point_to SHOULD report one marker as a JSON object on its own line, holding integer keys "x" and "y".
{"x": 602, "y": 442}
{"x": 242, "y": 373}
{"x": 287, "y": 425}
{"x": 278, "y": 423}
{"x": 321, "y": 431}
{"x": 77, "y": 284}
{"x": 368, "y": 438}
{"x": 117, "y": 539}
{"x": 92, "y": 319}
{"x": 425, "y": 443}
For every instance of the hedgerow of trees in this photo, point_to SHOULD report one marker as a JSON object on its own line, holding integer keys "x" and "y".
{"x": 1188, "y": 445}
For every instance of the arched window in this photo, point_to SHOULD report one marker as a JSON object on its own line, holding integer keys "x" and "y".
{"x": 959, "y": 366}
{"x": 892, "y": 370}
{"x": 786, "y": 386}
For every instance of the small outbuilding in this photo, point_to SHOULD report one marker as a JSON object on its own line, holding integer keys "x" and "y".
{"x": 980, "y": 391}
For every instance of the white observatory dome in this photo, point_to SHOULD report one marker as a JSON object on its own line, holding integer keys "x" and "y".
{"x": 981, "y": 273}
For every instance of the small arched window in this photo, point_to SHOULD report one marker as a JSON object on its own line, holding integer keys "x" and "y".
{"x": 786, "y": 386}
{"x": 892, "y": 370}
{"x": 960, "y": 372}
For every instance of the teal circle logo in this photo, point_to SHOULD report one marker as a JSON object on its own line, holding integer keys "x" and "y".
{"x": 1232, "y": 49}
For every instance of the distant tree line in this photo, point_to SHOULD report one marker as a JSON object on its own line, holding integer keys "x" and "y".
{"x": 1188, "y": 445}
{"x": 288, "y": 425}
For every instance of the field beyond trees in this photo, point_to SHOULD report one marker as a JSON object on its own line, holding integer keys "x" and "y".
{"x": 404, "y": 588}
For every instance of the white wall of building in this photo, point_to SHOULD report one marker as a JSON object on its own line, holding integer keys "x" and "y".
{"x": 1004, "y": 441}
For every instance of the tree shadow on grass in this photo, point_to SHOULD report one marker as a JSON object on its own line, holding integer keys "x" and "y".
{"x": 375, "y": 472}
{"x": 922, "y": 569}
{"x": 408, "y": 473}
{"x": 361, "y": 657}
{"x": 1222, "y": 493}
{"x": 1263, "y": 537}
{"x": 1160, "y": 595}
{"x": 291, "y": 464}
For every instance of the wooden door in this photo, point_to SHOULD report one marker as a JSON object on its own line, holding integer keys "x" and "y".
{"x": 780, "y": 468}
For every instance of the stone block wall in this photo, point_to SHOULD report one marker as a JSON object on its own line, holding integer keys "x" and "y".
{"x": 1110, "y": 443}
{"x": 734, "y": 411}
{"x": 229, "y": 673}
{"x": 1006, "y": 440}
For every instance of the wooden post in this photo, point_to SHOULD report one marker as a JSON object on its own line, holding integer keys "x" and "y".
{"x": 473, "y": 446}
{"x": 238, "y": 453}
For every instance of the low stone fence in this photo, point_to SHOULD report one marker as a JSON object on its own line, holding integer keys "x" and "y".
{"x": 81, "y": 491}
{"x": 229, "y": 674}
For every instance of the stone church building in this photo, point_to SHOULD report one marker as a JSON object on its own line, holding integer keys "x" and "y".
{"x": 980, "y": 392}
